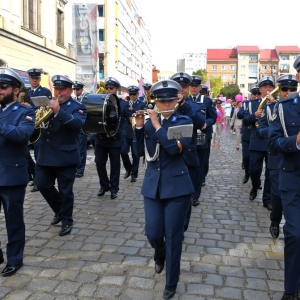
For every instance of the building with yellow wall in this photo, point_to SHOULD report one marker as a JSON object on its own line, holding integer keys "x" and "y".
{"x": 36, "y": 34}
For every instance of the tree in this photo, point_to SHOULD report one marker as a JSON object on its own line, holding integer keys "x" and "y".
{"x": 216, "y": 86}
{"x": 202, "y": 73}
{"x": 230, "y": 91}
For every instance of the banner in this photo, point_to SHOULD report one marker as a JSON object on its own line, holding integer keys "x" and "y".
{"x": 85, "y": 44}
{"x": 141, "y": 83}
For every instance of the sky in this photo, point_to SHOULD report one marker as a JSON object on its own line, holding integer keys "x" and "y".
{"x": 177, "y": 27}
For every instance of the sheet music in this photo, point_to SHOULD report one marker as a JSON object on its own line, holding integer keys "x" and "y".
{"x": 40, "y": 100}
{"x": 177, "y": 132}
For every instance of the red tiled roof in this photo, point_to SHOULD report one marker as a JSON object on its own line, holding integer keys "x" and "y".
{"x": 287, "y": 49}
{"x": 268, "y": 54}
{"x": 247, "y": 49}
{"x": 221, "y": 54}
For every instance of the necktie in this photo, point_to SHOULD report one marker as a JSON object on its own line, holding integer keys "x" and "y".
{"x": 194, "y": 98}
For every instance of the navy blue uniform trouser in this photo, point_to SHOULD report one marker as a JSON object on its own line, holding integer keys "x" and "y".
{"x": 246, "y": 156}
{"x": 291, "y": 230}
{"x": 164, "y": 220}
{"x": 134, "y": 166}
{"x": 101, "y": 156}
{"x": 256, "y": 164}
{"x": 82, "y": 146}
{"x": 206, "y": 162}
{"x": 12, "y": 198}
{"x": 276, "y": 213}
{"x": 62, "y": 200}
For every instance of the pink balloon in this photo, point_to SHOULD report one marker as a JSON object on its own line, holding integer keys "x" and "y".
{"x": 238, "y": 98}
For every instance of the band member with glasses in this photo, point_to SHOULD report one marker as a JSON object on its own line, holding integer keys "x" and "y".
{"x": 258, "y": 147}
{"x": 246, "y": 132}
{"x": 59, "y": 155}
{"x": 79, "y": 94}
{"x": 110, "y": 147}
{"x": 16, "y": 127}
{"x": 284, "y": 138}
{"x": 132, "y": 106}
{"x": 167, "y": 186}
{"x": 34, "y": 76}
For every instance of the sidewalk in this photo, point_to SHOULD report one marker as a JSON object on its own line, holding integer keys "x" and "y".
{"x": 228, "y": 252}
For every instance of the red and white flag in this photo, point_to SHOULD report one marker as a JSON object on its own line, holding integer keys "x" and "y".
{"x": 141, "y": 83}
{"x": 28, "y": 118}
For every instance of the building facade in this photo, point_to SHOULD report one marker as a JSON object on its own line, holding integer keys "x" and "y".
{"x": 34, "y": 34}
{"x": 191, "y": 62}
{"x": 124, "y": 43}
{"x": 246, "y": 65}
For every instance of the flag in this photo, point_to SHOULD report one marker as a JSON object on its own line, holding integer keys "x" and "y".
{"x": 93, "y": 15}
{"x": 141, "y": 83}
{"x": 207, "y": 83}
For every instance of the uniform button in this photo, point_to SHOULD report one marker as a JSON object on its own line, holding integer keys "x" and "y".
{"x": 49, "y": 125}
{"x": 158, "y": 159}
{"x": 283, "y": 168}
{"x": 17, "y": 165}
{"x": 158, "y": 169}
{"x": 189, "y": 149}
{"x": 293, "y": 123}
{"x": 47, "y": 140}
{"x": 182, "y": 172}
{"x": 290, "y": 148}
{"x": 146, "y": 135}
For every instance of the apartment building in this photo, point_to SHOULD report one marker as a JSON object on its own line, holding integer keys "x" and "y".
{"x": 191, "y": 62}
{"x": 246, "y": 65}
{"x": 123, "y": 43}
{"x": 224, "y": 63}
{"x": 34, "y": 34}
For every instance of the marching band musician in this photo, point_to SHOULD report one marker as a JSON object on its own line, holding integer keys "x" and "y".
{"x": 147, "y": 87}
{"x": 286, "y": 83}
{"x": 245, "y": 131}
{"x": 16, "y": 126}
{"x": 258, "y": 147}
{"x": 132, "y": 106}
{"x": 167, "y": 186}
{"x": 110, "y": 147}
{"x": 59, "y": 155}
{"x": 284, "y": 138}
{"x": 211, "y": 116}
{"x": 194, "y": 154}
{"x": 79, "y": 94}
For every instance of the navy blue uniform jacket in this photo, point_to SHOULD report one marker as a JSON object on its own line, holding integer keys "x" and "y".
{"x": 16, "y": 126}
{"x": 245, "y": 131}
{"x": 60, "y": 141}
{"x": 168, "y": 175}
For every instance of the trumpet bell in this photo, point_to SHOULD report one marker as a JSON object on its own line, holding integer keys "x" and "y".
{"x": 35, "y": 136}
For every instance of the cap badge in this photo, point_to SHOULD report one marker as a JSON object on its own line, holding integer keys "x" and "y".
{"x": 69, "y": 103}
{"x": 174, "y": 119}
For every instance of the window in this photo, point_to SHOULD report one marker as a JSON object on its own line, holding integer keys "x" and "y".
{"x": 253, "y": 57}
{"x": 101, "y": 35}
{"x": 224, "y": 77}
{"x": 264, "y": 67}
{"x": 31, "y": 15}
{"x": 101, "y": 65}
{"x": 100, "y": 11}
{"x": 232, "y": 76}
{"x": 243, "y": 67}
{"x": 252, "y": 68}
{"x": 214, "y": 67}
{"x": 242, "y": 85}
{"x": 232, "y": 67}
{"x": 284, "y": 57}
{"x": 60, "y": 27}
{"x": 273, "y": 67}
{"x": 224, "y": 67}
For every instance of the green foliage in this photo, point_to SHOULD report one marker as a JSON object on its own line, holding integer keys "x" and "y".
{"x": 230, "y": 91}
{"x": 216, "y": 86}
{"x": 202, "y": 73}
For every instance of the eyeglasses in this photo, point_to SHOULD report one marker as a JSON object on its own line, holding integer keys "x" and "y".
{"x": 286, "y": 88}
{"x": 219, "y": 103}
{"x": 109, "y": 87}
{"x": 132, "y": 94}
{"x": 256, "y": 93}
{"x": 4, "y": 86}
{"x": 76, "y": 89}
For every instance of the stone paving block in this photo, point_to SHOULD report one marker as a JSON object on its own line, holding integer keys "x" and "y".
{"x": 200, "y": 289}
{"x": 131, "y": 294}
{"x": 141, "y": 283}
{"x": 87, "y": 290}
{"x": 135, "y": 261}
{"x": 234, "y": 281}
{"x": 87, "y": 277}
{"x": 113, "y": 280}
{"x": 275, "y": 285}
{"x": 68, "y": 287}
{"x": 230, "y": 293}
{"x": 231, "y": 271}
{"x": 67, "y": 275}
{"x": 256, "y": 284}
{"x": 18, "y": 295}
{"x": 41, "y": 296}
{"x": 201, "y": 267}
{"x": 128, "y": 250}
{"x": 16, "y": 282}
{"x": 250, "y": 295}
{"x": 4, "y": 291}
{"x": 267, "y": 264}
{"x": 42, "y": 285}
{"x": 213, "y": 279}
{"x": 97, "y": 268}
{"x": 256, "y": 273}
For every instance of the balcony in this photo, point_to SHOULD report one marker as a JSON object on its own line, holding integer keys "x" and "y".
{"x": 252, "y": 61}
{"x": 284, "y": 70}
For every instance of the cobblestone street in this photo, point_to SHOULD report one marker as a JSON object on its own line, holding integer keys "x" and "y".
{"x": 228, "y": 252}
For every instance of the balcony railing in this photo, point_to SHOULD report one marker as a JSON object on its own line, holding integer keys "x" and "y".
{"x": 284, "y": 70}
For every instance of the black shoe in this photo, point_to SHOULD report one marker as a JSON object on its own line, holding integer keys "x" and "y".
{"x": 286, "y": 296}
{"x": 11, "y": 270}
{"x": 78, "y": 175}
{"x": 245, "y": 179}
{"x": 195, "y": 201}
{"x": 274, "y": 230}
{"x": 133, "y": 178}
{"x": 1, "y": 256}
{"x": 34, "y": 189}
{"x": 101, "y": 192}
{"x": 260, "y": 188}
{"x": 169, "y": 292}
{"x": 56, "y": 219}
{"x": 113, "y": 195}
{"x": 268, "y": 206}
{"x": 203, "y": 184}
{"x": 127, "y": 174}
{"x": 159, "y": 268}
{"x": 253, "y": 194}
{"x": 66, "y": 229}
